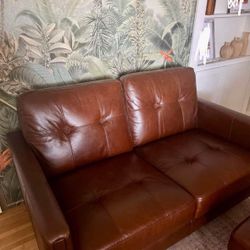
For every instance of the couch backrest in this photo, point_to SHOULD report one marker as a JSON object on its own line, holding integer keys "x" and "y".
{"x": 71, "y": 126}
{"x": 160, "y": 103}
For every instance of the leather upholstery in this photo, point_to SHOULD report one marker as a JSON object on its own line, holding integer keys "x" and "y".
{"x": 208, "y": 167}
{"x": 123, "y": 203}
{"x": 188, "y": 160}
{"x": 160, "y": 103}
{"x": 240, "y": 238}
{"x": 74, "y": 125}
{"x": 224, "y": 122}
{"x": 51, "y": 229}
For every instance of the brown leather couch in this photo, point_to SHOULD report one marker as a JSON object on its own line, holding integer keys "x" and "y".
{"x": 240, "y": 237}
{"x": 135, "y": 163}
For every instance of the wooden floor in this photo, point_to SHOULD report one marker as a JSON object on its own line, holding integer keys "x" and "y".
{"x": 16, "y": 231}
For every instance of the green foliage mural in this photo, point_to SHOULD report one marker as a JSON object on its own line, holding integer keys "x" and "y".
{"x": 48, "y": 42}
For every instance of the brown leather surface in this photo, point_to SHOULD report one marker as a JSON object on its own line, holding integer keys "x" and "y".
{"x": 160, "y": 103}
{"x": 240, "y": 238}
{"x": 224, "y": 122}
{"x": 74, "y": 125}
{"x": 52, "y": 230}
{"x": 121, "y": 203}
{"x": 111, "y": 198}
{"x": 208, "y": 167}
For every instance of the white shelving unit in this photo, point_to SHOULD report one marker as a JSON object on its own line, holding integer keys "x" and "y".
{"x": 226, "y": 15}
{"x": 223, "y": 81}
{"x": 219, "y": 62}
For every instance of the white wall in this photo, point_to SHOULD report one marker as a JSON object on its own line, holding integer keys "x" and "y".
{"x": 228, "y": 85}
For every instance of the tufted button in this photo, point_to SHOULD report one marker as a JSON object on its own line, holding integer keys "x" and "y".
{"x": 67, "y": 130}
{"x": 157, "y": 105}
{"x": 214, "y": 148}
{"x": 181, "y": 99}
{"x": 103, "y": 120}
{"x": 190, "y": 160}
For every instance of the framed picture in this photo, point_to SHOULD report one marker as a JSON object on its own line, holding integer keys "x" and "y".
{"x": 245, "y": 7}
{"x": 206, "y": 47}
{"x": 210, "y": 47}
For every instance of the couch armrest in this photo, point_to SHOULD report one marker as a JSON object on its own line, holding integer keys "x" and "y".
{"x": 51, "y": 229}
{"x": 224, "y": 122}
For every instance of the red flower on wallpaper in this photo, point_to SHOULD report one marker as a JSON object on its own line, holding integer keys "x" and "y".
{"x": 167, "y": 55}
{"x": 5, "y": 159}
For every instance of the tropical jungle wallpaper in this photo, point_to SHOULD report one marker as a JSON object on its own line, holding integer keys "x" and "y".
{"x": 48, "y": 42}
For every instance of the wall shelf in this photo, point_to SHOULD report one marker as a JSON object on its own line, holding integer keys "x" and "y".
{"x": 226, "y": 15}
{"x": 223, "y": 81}
{"x": 222, "y": 63}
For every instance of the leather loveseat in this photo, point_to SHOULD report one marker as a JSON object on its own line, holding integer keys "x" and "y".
{"x": 135, "y": 163}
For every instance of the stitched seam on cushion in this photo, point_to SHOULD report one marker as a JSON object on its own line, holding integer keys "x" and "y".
{"x": 90, "y": 124}
{"x": 100, "y": 197}
{"x": 130, "y": 111}
{"x": 105, "y": 133}
{"x": 132, "y": 181}
{"x": 68, "y": 139}
{"x": 169, "y": 177}
{"x": 103, "y": 206}
{"x": 179, "y": 94}
{"x": 160, "y": 220}
{"x": 156, "y": 221}
{"x": 78, "y": 99}
{"x": 125, "y": 107}
{"x": 146, "y": 107}
{"x": 107, "y": 140}
{"x": 196, "y": 197}
{"x": 153, "y": 198}
{"x": 157, "y": 169}
{"x": 100, "y": 114}
{"x": 80, "y": 204}
{"x": 81, "y": 126}
{"x": 156, "y": 112}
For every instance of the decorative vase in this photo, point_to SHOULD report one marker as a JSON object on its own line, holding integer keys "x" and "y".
{"x": 244, "y": 38}
{"x": 237, "y": 45}
{"x": 226, "y": 51}
{"x": 210, "y": 7}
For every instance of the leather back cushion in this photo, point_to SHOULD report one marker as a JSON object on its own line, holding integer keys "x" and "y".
{"x": 160, "y": 103}
{"x": 74, "y": 125}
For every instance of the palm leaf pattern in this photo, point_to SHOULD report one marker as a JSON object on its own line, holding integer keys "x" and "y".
{"x": 51, "y": 42}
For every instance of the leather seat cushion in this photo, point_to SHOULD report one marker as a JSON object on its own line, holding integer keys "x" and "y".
{"x": 209, "y": 168}
{"x": 121, "y": 203}
{"x": 240, "y": 239}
